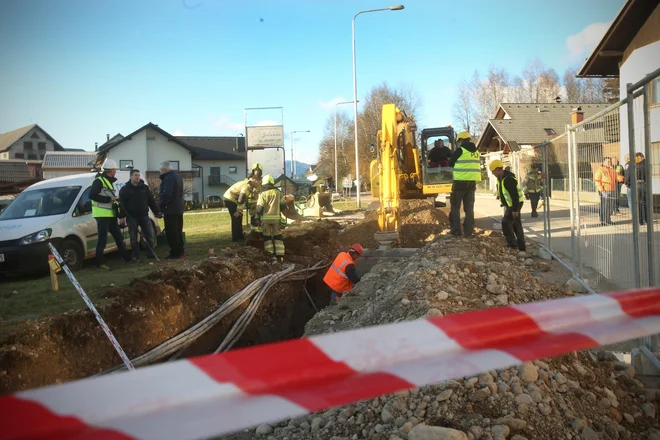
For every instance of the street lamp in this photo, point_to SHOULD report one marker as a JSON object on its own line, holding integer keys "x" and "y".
{"x": 336, "y": 172}
{"x": 293, "y": 161}
{"x": 355, "y": 101}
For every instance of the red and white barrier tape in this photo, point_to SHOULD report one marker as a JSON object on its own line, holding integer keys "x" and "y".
{"x": 217, "y": 394}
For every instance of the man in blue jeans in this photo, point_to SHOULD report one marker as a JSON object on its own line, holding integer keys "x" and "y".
{"x": 135, "y": 199}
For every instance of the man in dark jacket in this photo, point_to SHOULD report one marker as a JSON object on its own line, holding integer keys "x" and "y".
{"x": 135, "y": 199}
{"x": 104, "y": 210}
{"x": 512, "y": 199}
{"x": 439, "y": 155}
{"x": 171, "y": 205}
{"x": 466, "y": 162}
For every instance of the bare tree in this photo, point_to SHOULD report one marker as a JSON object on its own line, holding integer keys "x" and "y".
{"x": 530, "y": 76}
{"x": 464, "y": 112}
{"x": 345, "y": 147}
{"x": 572, "y": 86}
{"x": 549, "y": 86}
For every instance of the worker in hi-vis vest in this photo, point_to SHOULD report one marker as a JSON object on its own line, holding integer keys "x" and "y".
{"x": 342, "y": 275}
{"x": 467, "y": 173}
{"x": 270, "y": 205}
{"x": 512, "y": 198}
{"x": 105, "y": 207}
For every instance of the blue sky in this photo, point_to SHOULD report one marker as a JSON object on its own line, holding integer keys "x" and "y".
{"x": 82, "y": 68}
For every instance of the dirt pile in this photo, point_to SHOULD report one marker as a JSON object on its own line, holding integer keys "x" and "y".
{"x": 148, "y": 312}
{"x": 577, "y": 396}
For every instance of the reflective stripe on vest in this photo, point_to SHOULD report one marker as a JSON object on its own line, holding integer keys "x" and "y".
{"x": 336, "y": 277}
{"x": 271, "y": 214}
{"x": 507, "y": 196}
{"x": 104, "y": 209}
{"x": 468, "y": 166}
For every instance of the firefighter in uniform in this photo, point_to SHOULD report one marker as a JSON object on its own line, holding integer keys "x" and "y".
{"x": 342, "y": 275}
{"x": 512, "y": 199}
{"x": 255, "y": 172}
{"x": 533, "y": 187}
{"x": 467, "y": 173}
{"x": 269, "y": 213}
{"x": 105, "y": 207}
{"x": 235, "y": 199}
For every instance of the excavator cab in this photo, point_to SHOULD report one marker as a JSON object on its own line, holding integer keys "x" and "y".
{"x": 437, "y": 175}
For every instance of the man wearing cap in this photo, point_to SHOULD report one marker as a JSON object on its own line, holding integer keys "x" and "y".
{"x": 342, "y": 274}
{"x": 512, "y": 199}
{"x": 104, "y": 210}
{"x": 467, "y": 173}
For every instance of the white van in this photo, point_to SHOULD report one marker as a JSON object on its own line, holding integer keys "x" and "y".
{"x": 58, "y": 210}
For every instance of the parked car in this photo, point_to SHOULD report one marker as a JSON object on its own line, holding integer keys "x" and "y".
{"x": 215, "y": 202}
{"x": 57, "y": 210}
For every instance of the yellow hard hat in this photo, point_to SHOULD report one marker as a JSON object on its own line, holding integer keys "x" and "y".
{"x": 463, "y": 135}
{"x": 267, "y": 180}
{"x": 495, "y": 164}
{"x": 257, "y": 166}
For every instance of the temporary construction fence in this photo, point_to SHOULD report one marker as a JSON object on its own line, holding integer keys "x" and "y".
{"x": 603, "y": 215}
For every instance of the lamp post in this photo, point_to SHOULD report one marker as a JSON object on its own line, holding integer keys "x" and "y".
{"x": 336, "y": 172}
{"x": 293, "y": 161}
{"x": 355, "y": 101}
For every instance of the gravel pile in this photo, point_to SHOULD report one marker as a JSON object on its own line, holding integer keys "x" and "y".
{"x": 586, "y": 395}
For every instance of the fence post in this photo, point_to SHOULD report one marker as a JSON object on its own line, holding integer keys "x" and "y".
{"x": 570, "y": 196}
{"x": 546, "y": 197}
{"x": 649, "y": 187}
{"x": 578, "y": 187}
{"x": 633, "y": 185}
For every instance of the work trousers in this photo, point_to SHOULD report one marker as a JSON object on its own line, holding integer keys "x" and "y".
{"x": 273, "y": 239}
{"x": 236, "y": 222}
{"x": 513, "y": 230}
{"x": 465, "y": 197}
{"x": 534, "y": 201}
{"x": 174, "y": 234}
{"x": 641, "y": 200}
{"x": 617, "y": 202}
{"x": 103, "y": 226}
{"x": 144, "y": 223}
{"x": 606, "y": 203}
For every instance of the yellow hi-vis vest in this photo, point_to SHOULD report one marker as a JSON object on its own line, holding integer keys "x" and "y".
{"x": 468, "y": 166}
{"x": 104, "y": 209}
{"x": 238, "y": 192}
{"x": 507, "y": 196}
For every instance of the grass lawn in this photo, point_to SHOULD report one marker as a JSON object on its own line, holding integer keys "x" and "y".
{"x": 28, "y": 298}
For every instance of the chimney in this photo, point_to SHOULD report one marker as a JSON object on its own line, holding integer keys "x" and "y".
{"x": 107, "y": 137}
{"x": 558, "y": 100}
{"x": 577, "y": 116}
{"x": 96, "y": 146}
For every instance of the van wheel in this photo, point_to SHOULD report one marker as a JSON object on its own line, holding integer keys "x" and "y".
{"x": 72, "y": 254}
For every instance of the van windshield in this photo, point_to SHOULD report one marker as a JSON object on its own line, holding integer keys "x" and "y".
{"x": 41, "y": 203}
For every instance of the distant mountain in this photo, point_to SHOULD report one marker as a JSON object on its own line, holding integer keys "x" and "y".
{"x": 301, "y": 167}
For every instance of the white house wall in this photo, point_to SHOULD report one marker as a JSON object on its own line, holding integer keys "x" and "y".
{"x": 224, "y": 166}
{"x": 640, "y": 63}
{"x": 160, "y": 148}
{"x": 134, "y": 149}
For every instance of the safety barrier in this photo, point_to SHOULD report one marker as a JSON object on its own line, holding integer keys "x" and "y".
{"x": 218, "y": 394}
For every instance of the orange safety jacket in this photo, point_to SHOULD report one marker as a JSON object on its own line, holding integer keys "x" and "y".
{"x": 336, "y": 277}
{"x": 605, "y": 179}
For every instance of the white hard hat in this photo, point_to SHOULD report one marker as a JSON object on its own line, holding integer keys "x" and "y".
{"x": 109, "y": 164}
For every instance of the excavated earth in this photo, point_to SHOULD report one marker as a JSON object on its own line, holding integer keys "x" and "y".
{"x": 155, "y": 308}
{"x": 583, "y": 395}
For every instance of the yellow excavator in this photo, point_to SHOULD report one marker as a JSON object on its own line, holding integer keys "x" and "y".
{"x": 403, "y": 171}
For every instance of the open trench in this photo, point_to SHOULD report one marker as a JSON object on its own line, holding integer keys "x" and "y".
{"x": 154, "y": 309}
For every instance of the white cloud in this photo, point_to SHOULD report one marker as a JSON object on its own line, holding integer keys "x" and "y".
{"x": 224, "y": 123}
{"x": 329, "y": 105}
{"x": 585, "y": 41}
{"x": 178, "y": 132}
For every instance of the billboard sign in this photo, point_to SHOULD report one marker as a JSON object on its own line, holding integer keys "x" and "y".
{"x": 265, "y": 136}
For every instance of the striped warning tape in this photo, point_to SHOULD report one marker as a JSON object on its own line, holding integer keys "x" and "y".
{"x": 217, "y": 394}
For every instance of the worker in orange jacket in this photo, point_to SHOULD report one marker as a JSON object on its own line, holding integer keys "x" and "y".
{"x": 342, "y": 275}
{"x": 605, "y": 179}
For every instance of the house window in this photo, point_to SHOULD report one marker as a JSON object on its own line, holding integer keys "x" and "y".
{"x": 233, "y": 170}
{"x": 655, "y": 92}
{"x": 550, "y": 131}
{"x": 34, "y": 135}
{"x": 32, "y": 156}
{"x": 175, "y": 165}
{"x": 123, "y": 164}
{"x": 27, "y": 145}
{"x": 19, "y": 156}
{"x": 41, "y": 146}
